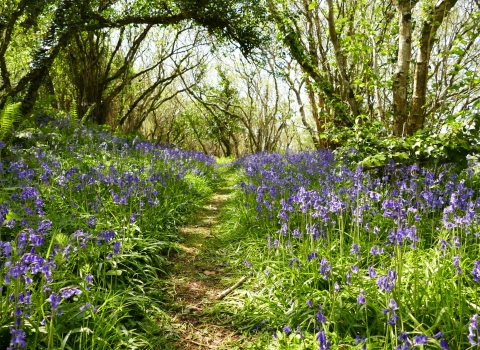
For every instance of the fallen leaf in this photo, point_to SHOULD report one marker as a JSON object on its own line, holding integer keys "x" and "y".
{"x": 209, "y": 273}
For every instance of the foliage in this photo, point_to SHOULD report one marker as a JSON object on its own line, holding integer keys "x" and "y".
{"x": 373, "y": 147}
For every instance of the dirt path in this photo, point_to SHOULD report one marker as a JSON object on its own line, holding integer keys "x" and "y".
{"x": 199, "y": 274}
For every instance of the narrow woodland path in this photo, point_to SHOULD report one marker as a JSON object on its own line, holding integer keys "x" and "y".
{"x": 199, "y": 273}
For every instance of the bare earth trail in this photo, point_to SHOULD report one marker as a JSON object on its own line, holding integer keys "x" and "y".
{"x": 199, "y": 272}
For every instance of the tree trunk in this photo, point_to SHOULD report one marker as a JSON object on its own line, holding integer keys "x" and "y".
{"x": 400, "y": 78}
{"x": 428, "y": 33}
{"x": 347, "y": 90}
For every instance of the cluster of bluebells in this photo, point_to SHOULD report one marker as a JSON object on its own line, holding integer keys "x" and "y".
{"x": 324, "y": 213}
{"x": 58, "y": 201}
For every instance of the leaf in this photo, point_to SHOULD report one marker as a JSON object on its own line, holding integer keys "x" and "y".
{"x": 209, "y": 273}
{"x": 114, "y": 273}
{"x": 312, "y": 5}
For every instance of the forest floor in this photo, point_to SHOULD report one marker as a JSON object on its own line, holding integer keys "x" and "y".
{"x": 200, "y": 271}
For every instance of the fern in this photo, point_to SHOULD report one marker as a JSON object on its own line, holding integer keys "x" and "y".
{"x": 73, "y": 110}
{"x": 8, "y": 117}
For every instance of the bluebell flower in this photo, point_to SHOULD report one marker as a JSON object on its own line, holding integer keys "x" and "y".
{"x": 11, "y": 223}
{"x": 116, "y": 248}
{"x": 320, "y": 317}
{"x": 393, "y": 319}
{"x": 296, "y": 233}
{"x": 476, "y": 271}
{"x": 444, "y": 345}
{"x": 393, "y": 304}
{"x": 134, "y": 217}
{"x": 67, "y": 292}
{"x": 18, "y": 339}
{"x": 361, "y": 298}
{"x": 91, "y": 221}
{"x": 377, "y": 251}
{"x": 312, "y": 256}
{"x": 474, "y": 331}
{"x": 355, "y": 250}
{"x": 384, "y": 283}
{"x": 456, "y": 263}
{"x": 54, "y": 300}
{"x": 324, "y": 343}
{"x": 287, "y": 329}
{"x": 106, "y": 235}
{"x": 420, "y": 339}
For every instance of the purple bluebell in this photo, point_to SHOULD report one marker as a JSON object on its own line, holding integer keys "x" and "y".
{"x": 325, "y": 268}
{"x": 384, "y": 283}
{"x": 377, "y": 251}
{"x": 361, "y": 298}
{"x": 54, "y": 300}
{"x": 320, "y": 317}
{"x": 444, "y": 345}
{"x": 18, "y": 339}
{"x": 476, "y": 271}
{"x": 393, "y": 319}
{"x": 106, "y": 235}
{"x": 312, "y": 256}
{"x": 324, "y": 343}
{"x": 456, "y": 263}
{"x": 355, "y": 250}
{"x": 474, "y": 331}
{"x": 393, "y": 304}
{"x": 68, "y": 292}
{"x": 134, "y": 217}
{"x": 91, "y": 221}
{"x": 439, "y": 335}
{"x": 420, "y": 339}
{"x": 116, "y": 248}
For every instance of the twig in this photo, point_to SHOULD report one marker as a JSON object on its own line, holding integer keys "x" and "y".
{"x": 232, "y": 288}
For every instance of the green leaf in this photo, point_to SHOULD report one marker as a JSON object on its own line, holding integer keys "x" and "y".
{"x": 312, "y": 5}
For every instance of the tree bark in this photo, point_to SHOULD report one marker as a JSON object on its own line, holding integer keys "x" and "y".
{"x": 400, "y": 78}
{"x": 428, "y": 33}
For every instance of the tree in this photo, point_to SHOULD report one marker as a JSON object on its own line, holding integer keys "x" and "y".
{"x": 360, "y": 59}
{"x": 233, "y": 20}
